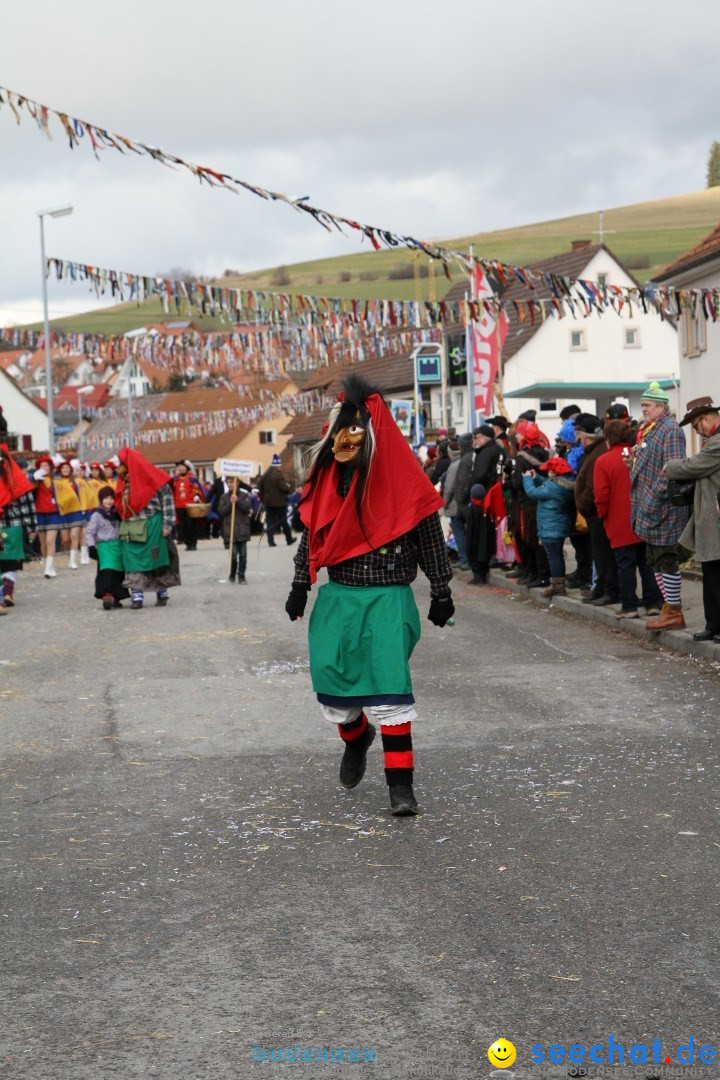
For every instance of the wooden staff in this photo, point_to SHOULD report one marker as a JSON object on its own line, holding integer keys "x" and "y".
{"x": 232, "y": 523}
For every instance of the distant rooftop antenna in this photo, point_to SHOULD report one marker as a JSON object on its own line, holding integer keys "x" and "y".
{"x": 602, "y": 230}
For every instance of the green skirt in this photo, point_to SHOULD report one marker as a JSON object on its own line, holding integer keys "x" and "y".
{"x": 361, "y": 640}
{"x": 13, "y": 546}
{"x": 110, "y": 555}
{"x": 148, "y": 556}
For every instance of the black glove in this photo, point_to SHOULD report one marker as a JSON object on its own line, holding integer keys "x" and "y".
{"x": 92, "y": 552}
{"x": 296, "y": 601}
{"x": 441, "y": 609}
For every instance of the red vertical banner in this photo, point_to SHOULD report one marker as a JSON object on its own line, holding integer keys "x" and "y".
{"x": 487, "y": 337}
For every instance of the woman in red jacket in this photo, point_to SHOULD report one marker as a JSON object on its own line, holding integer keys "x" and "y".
{"x": 611, "y": 490}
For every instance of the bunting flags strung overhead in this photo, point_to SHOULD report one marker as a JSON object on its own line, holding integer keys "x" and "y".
{"x": 667, "y": 301}
{"x": 577, "y": 297}
{"x": 257, "y": 349}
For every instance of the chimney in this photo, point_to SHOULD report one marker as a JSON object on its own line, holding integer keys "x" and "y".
{"x": 579, "y": 245}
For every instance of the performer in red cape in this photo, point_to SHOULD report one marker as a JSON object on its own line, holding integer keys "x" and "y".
{"x": 17, "y": 521}
{"x": 145, "y": 551}
{"x": 370, "y": 517}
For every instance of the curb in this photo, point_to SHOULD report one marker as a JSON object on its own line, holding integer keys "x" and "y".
{"x": 679, "y": 641}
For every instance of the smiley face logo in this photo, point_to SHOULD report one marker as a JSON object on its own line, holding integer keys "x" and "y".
{"x": 502, "y": 1054}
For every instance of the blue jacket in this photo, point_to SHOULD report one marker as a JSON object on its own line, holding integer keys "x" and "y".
{"x": 556, "y": 505}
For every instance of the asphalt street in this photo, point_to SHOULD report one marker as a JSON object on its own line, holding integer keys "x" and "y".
{"x": 185, "y": 885}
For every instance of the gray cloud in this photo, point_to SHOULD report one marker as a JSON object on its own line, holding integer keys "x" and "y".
{"x": 436, "y": 121}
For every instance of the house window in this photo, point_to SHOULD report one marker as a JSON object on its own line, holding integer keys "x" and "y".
{"x": 577, "y": 340}
{"x": 602, "y": 280}
{"x": 548, "y": 405}
{"x": 694, "y": 335}
{"x": 632, "y": 337}
{"x": 267, "y": 437}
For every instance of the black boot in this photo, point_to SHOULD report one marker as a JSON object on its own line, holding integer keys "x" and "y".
{"x": 402, "y": 800}
{"x": 354, "y": 760}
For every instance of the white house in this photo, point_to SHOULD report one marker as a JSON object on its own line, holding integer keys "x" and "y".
{"x": 699, "y": 338}
{"x": 27, "y": 421}
{"x": 587, "y": 361}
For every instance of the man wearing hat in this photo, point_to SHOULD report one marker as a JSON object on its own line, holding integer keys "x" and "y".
{"x": 701, "y": 534}
{"x": 487, "y": 456}
{"x": 590, "y": 435}
{"x": 654, "y": 518}
{"x": 273, "y": 489}
{"x": 617, "y": 411}
{"x": 186, "y": 490}
{"x": 458, "y": 497}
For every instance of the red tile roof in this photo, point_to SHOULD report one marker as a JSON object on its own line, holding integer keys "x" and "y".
{"x": 68, "y": 396}
{"x": 203, "y": 450}
{"x": 707, "y": 250}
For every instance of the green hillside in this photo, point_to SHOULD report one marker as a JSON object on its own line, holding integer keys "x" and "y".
{"x": 645, "y": 236}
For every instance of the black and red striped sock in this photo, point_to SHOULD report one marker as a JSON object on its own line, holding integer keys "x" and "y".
{"x": 352, "y": 731}
{"x": 398, "y": 752}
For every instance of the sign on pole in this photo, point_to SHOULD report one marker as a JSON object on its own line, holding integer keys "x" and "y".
{"x": 428, "y": 359}
{"x": 231, "y": 467}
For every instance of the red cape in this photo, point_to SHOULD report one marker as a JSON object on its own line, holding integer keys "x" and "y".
{"x": 13, "y": 481}
{"x": 145, "y": 480}
{"x": 398, "y": 495}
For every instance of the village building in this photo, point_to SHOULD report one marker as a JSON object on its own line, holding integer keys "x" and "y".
{"x": 550, "y": 362}
{"x": 26, "y": 419}
{"x": 698, "y": 338}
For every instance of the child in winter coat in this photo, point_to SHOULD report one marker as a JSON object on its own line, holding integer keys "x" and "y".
{"x": 555, "y": 515}
{"x": 102, "y": 533}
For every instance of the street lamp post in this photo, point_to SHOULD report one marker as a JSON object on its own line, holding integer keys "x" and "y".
{"x": 81, "y": 440}
{"x": 60, "y": 211}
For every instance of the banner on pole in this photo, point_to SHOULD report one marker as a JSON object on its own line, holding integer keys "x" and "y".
{"x": 486, "y": 339}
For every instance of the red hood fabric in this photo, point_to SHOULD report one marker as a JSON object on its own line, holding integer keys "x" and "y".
{"x": 13, "y": 481}
{"x": 145, "y": 480}
{"x": 529, "y": 434}
{"x": 398, "y": 495}
{"x": 495, "y": 502}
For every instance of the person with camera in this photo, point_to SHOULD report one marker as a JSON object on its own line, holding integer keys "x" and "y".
{"x": 701, "y": 533}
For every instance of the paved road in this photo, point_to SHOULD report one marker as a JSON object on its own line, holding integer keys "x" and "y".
{"x": 184, "y": 879}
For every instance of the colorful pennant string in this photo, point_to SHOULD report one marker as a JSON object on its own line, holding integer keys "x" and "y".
{"x": 666, "y": 300}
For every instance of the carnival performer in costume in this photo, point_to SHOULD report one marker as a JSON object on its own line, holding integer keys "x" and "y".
{"x": 88, "y": 504}
{"x": 186, "y": 490}
{"x": 96, "y": 478}
{"x": 103, "y": 537}
{"x": 144, "y": 501}
{"x": 370, "y": 516}
{"x": 110, "y": 474}
{"x": 48, "y": 517}
{"x": 72, "y": 516}
{"x": 17, "y": 520}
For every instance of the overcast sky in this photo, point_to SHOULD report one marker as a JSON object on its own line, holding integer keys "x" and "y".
{"x": 435, "y": 119}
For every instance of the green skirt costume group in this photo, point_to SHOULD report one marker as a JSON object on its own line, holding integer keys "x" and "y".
{"x": 141, "y": 548}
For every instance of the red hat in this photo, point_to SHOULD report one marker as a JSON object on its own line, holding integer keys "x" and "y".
{"x": 44, "y": 460}
{"x": 109, "y": 465}
{"x": 95, "y": 465}
{"x": 558, "y": 465}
